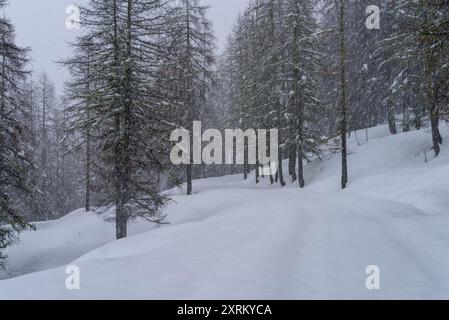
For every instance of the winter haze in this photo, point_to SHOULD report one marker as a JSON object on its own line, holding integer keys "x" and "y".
{"x": 40, "y": 25}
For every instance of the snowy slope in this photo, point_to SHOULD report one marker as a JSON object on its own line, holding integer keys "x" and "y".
{"x": 56, "y": 243}
{"x": 236, "y": 240}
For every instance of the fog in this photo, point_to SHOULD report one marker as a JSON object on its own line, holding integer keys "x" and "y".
{"x": 40, "y": 25}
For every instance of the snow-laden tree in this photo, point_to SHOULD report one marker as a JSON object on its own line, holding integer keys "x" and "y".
{"x": 45, "y": 148}
{"x": 79, "y": 95}
{"x": 420, "y": 52}
{"x": 113, "y": 85}
{"x": 15, "y": 163}
{"x": 302, "y": 66}
{"x": 273, "y": 61}
{"x": 188, "y": 67}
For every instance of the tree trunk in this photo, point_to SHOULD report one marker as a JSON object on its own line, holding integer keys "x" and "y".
{"x": 88, "y": 166}
{"x": 391, "y": 119}
{"x": 406, "y": 115}
{"x": 245, "y": 164}
{"x": 436, "y": 136}
{"x": 344, "y": 176}
{"x": 280, "y": 169}
{"x": 292, "y": 162}
{"x": 301, "y": 180}
{"x": 121, "y": 221}
{"x": 257, "y": 174}
{"x": 189, "y": 103}
{"x": 189, "y": 167}
{"x": 418, "y": 122}
{"x": 189, "y": 179}
{"x": 88, "y": 147}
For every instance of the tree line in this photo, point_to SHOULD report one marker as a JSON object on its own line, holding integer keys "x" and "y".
{"x": 317, "y": 73}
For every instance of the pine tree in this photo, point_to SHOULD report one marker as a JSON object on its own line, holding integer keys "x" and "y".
{"x": 15, "y": 165}
{"x": 303, "y": 67}
{"x": 46, "y": 173}
{"x": 191, "y": 56}
{"x": 273, "y": 61}
{"x": 80, "y": 94}
{"x": 420, "y": 53}
{"x": 118, "y": 105}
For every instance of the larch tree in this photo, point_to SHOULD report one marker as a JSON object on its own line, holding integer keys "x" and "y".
{"x": 118, "y": 104}
{"x": 191, "y": 56}
{"x": 15, "y": 165}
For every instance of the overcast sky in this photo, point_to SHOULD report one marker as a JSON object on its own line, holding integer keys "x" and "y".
{"x": 40, "y": 25}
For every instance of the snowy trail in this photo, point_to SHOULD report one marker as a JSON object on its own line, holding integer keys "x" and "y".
{"x": 317, "y": 248}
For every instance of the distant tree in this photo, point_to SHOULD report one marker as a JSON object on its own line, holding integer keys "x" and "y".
{"x": 419, "y": 53}
{"x": 46, "y": 144}
{"x": 191, "y": 56}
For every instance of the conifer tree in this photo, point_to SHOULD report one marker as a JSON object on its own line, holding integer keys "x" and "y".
{"x": 15, "y": 163}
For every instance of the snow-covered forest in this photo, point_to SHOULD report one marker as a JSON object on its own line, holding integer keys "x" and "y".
{"x": 359, "y": 98}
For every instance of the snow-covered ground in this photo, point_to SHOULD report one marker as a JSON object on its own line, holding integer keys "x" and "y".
{"x": 56, "y": 243}
{"x": 235, "y": 240}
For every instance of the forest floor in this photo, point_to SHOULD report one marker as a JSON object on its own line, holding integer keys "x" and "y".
{"x": 235, "y": 240}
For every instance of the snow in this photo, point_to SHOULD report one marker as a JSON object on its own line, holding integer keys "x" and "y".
{"x": 236, "y": 240}
{"x": 56, "y": 243}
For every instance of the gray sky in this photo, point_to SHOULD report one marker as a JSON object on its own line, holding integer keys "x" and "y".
{"x": 40, "y": 25}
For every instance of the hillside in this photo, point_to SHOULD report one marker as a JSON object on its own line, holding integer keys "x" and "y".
{"x": 236, "y": 240}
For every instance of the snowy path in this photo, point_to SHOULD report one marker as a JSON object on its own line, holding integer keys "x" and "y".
{"x": 301, "y": 245}
{"x": 234, "y": 240}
